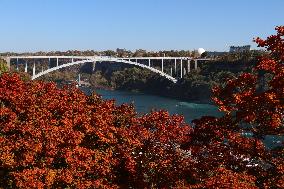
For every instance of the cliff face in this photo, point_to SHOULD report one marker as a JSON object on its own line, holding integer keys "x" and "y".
{"x": 194, "y": 86}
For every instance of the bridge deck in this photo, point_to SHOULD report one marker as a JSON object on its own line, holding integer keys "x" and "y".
{"x": 109, "y": 57}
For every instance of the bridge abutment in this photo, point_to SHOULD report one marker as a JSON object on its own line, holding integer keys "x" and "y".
{"x": 8, "y": 62}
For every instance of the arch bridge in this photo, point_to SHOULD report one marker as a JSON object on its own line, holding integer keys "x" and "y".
{"x": 184, "y": 63}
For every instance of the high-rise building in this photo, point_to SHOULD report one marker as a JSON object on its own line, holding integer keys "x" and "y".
{"x": 239, "y": 48}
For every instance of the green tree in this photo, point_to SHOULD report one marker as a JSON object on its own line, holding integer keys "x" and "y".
{"x": 3, "y": 67}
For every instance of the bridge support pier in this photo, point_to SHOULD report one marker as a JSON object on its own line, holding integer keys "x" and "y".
{"x": 149, "y": 62}
{"x": 94, "y": 66}
{"x": 181, "y": 67}
{"x": 175, "y": 66}
{"x": 17, "y": 64}
{"x": 57, "y": 62}
{"x": 188, "y": 66}
{"x": 162, "y": 65}
{"x": 26, "y": 66}
{"x": 48, "y": 66}
{"x": 195, "y": 64}
{"x": 34, "y": 70}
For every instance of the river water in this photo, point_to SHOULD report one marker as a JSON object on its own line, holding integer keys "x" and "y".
{"x": 144, "y": 103}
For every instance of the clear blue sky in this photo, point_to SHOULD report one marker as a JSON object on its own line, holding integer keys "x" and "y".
{"x": 45, "y": 25}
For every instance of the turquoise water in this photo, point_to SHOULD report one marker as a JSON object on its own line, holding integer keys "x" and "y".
{"x": 145, "y": 103}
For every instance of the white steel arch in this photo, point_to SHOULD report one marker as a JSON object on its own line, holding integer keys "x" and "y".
{"x": 59, "y": 67}
{"x": 101, "y": 59}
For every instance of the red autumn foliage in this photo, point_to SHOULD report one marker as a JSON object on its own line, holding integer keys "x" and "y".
{"x": 61, "y": 138}
{"x": 220, "y": 142}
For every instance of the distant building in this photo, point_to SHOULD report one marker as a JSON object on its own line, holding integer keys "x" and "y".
{"x": 239, "y": 48}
